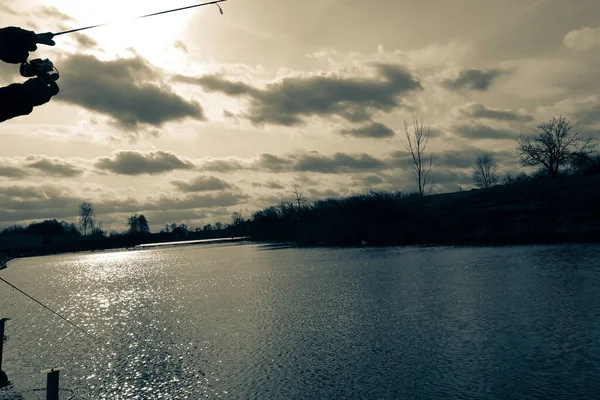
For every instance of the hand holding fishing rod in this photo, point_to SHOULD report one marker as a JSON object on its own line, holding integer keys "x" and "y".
{"x": 19, "y": 99}
{"x": 15, "y": 46}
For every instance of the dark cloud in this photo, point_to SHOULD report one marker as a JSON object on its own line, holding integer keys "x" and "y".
{"x": 291, "y": 100}
{"x": 339, "y": 162}
{"x": 271, "y": 162}
{"x": 18, "y": 203}
{"x": 229, "y": 114}
{"x": 374, "y": 130}
{"x": 12, "y": 172}
{"x": 472, "y": 79}
{"x": 300, "y": 162}
{"x": 476, "y": 110}
{"x": 480, "y": 131}
{"x": 138, "y": 163}
{"x": 84, "y": 40}
{"x": 53, "y": 166}
{"x": 119, "y": 89}
{"x": 202, "y": 184}
{"x": 214, "y": 83}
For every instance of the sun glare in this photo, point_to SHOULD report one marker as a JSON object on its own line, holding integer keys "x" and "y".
{"x": 111, "y": 256}
{"x": 153, "y": 38}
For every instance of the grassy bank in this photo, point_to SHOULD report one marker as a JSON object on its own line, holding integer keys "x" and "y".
{"x": 533, "y": 211}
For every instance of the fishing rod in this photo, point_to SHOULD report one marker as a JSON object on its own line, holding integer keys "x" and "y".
{"x": 48, "y": 308}
{"x": 140, "y": 17}
{"x": 46, "y": 70}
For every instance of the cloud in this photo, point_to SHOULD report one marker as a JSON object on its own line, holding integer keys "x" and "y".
{"x": 299, "y": 162}
{"x": 585, "y": 111}
{"x": 181, "y": 46}
{"x": 271, "y": 162}
{"x": 367, "y": 181}
{"x": 583, "y": 39}
{"x": 41, "y": 166}
{"x": 139, "y": 163}
{"x": 18, "y": 203}
{"x": 476, "y": 110}
{"x": 472, "y": 79}
{"x": 120, "y": 90}
{"x": 84, "y": 40}
{"x": 339, "y": 162}
{"x": 6, "y": 9}
{"x": 479, "y": 131}
{"x": 202, "y": 184}
{"x": 53, "y": 166}
{"x": 451, "y": 178}
{"x": 222, "y": 165}
{"x": 269, "y": 185}
{"x": 171, "y": 202}
{"x": 12, "y": 172}
{"x": 51, "y": 12}
{"x": 293, "y": 99}
{"x": 374, "y": 130}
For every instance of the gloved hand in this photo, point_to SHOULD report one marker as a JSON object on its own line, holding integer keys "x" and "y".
{"x": 16, "y": 43}
{"x": 37, "y": 91}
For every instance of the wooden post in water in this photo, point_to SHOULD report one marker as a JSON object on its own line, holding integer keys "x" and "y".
{"x": 52, "y": 389}
{"x": 2, "y": 322}
{"x": 3, "y": 378}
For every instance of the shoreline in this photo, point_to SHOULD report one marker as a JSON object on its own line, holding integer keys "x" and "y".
{"x": 4, "y": 260}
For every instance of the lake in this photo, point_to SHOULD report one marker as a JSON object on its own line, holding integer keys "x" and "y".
{"x": 248, "y": 321}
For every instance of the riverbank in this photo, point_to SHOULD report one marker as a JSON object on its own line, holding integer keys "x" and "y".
{"x": 563, "y": 210}
{"x": 4, "y": 259}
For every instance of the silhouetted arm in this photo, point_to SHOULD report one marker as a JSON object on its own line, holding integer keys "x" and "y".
{"x": 14, "y": 102}
{"x": 19, "y": 99}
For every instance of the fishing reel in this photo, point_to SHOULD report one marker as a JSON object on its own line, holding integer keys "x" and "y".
{"x": 43, "y": 69}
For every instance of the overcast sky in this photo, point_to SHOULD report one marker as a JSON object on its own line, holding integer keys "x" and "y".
{"x": 190, "y": 116}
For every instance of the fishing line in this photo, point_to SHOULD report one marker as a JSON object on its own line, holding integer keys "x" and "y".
{"x": 48, "y": 308}
{"x": 142, "y": 16}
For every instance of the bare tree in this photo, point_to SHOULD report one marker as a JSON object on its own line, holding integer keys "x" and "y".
{"x": 485, "y": 172}
{"x": 237, "y": 219}
{"x": 86, "y": 217}
{"x": 299, "y": 198}
{"x": 416, "y": 144}
{"x": 553, "y": 145}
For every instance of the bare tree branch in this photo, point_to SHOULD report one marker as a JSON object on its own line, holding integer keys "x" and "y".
{"x": 416, "y": 143}
{"x": 553, "y": 145}
{"x": 485, "y": 172}
{"x": 86, "y": 218}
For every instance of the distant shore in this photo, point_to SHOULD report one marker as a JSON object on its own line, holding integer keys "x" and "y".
{"x": 543, "y": 211}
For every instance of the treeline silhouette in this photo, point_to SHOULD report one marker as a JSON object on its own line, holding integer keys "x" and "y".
{"x": 526, "y": 209}
{"x": 53, "y": 236}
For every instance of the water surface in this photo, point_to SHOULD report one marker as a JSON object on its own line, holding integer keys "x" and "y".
{"x": 247, "y": 321}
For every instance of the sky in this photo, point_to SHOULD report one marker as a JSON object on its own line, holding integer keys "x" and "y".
{"x": 191, "y": 116}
